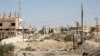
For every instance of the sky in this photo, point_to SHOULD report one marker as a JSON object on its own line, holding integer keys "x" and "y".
{"x": 53, "y": 13}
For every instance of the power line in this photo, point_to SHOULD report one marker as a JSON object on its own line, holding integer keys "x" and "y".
{"x": 67, "y": 17}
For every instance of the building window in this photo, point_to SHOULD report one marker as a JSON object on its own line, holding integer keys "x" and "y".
{"x": 0, "y": 24}
{"x": 12, "y": 24}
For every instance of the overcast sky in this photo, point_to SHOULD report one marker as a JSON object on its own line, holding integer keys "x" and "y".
{"x": 53, "y": 12}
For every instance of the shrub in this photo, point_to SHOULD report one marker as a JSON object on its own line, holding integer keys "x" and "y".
{"x": 50, "y": 54}
{"x": 71, "y": 37}
{"x": 68, "y": 38}
{"x": 87, "y": 37}
{"x": 6, "y": 49}
{"x": 30, "y": 49}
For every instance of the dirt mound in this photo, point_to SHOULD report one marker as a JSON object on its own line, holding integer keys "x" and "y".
{"x": 87, "y": 47}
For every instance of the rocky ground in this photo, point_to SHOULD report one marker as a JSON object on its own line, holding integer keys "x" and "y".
{"x": 47, "y": 46}
{"x": 45, "y": 53}
{"x": 54, "y": 48}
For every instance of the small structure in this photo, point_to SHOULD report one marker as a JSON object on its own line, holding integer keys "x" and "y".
{"x": 86, "y": 29}
{"x": 97, "y": 31}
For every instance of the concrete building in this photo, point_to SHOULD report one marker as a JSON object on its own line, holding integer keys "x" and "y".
{"x": 97, "y": 30}
{"x": 10, "y": 25}
{"x": 86, "y": 29}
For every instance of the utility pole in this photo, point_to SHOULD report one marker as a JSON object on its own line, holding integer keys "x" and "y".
{"x": 97, "y": 27}
{"x": 19, "y": 13}
{"x": 77, "y": 27}
{"x": 19, "y": 8}
{"x": 82, "y": 39}
{"x": 30, "y": 34}
{"x": 23, "y": 31}
{"x": 73, "y": 41}
{"x": 19, "y": 17}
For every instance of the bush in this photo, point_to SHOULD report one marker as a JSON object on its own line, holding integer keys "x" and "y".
{"x": 30, "y": 49}
{"x": 71, "y": 37}
{"x": 6, "y": 49}
{"x": 87, "y": 37}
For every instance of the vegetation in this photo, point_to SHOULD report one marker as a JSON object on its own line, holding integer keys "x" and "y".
{"x": 6, "y": 49}
{"x": 51, "y": 30}
{"x": 90, "y": 36}
{"x": 71, "y": 37}
{"x": 92, "y": 30}
{"x": 30, "y": 49}
{"x": 63, "y": 29}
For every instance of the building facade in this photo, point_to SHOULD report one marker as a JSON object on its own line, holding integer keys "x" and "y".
{"x": 10, "y": 25}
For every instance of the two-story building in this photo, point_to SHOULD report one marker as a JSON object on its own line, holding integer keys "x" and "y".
{"x": 10, "y": 25}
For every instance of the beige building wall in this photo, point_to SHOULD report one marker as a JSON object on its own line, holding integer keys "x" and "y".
{"x": 9, "y": 24}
